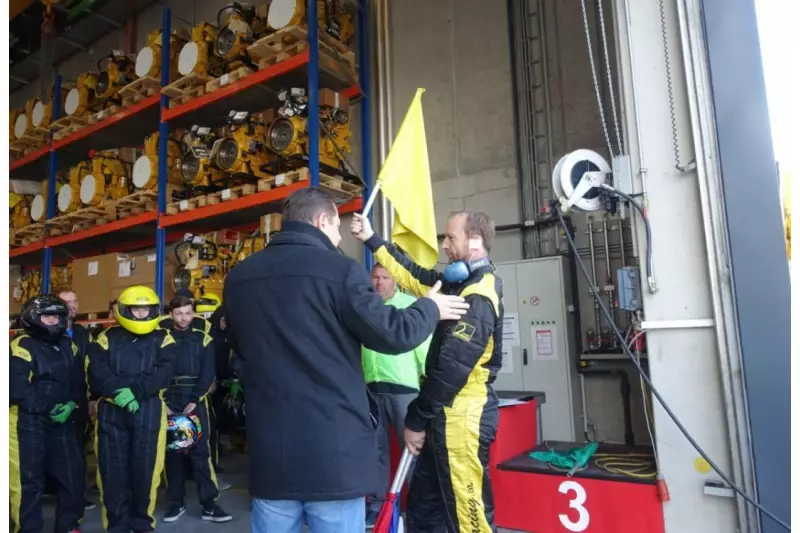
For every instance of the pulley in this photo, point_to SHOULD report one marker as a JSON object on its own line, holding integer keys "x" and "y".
{"x": 577, "y": 178}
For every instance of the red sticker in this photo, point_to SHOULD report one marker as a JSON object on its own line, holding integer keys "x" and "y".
{"x": 534, "y": 300}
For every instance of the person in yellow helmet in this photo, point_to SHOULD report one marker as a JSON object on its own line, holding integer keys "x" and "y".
{"x": 130, "y": 366}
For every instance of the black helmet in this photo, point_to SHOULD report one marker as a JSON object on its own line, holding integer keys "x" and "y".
{"x": 44, "y": 305}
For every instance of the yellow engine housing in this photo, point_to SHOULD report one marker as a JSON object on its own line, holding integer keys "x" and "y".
{"x": 39, "y": 202}
{"x": 242, "y": 152}
{"x": 119, "y": 71}
{"x": 199, "y": 171}
{"x": 145, "y": 169}
{"x": 288, "y": 137}
{"x": 148, "y": 60}
{"x": 203, "y": 269}
{"x": 249, "y": 246}
{"x": 332, "y": 18}
{"x": 108, "y": 180}
{"x": 197, "y": 56}
{"x": 69, "y": 193}
{"x": 235, "y": 35}
{"x": 82, "y": 99}
{"x": 19, "y": 210}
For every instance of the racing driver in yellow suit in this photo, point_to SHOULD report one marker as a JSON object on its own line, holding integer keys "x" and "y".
{"x": 453, "y": 421}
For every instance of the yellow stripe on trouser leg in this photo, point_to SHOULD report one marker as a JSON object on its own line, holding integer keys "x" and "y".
{"x": 462, "y": 439}
{"x": 158, "y": 468}
{"x": 99, "y": 478}
{"x": 14, "y": 467}
{"x": 207, "y": 444}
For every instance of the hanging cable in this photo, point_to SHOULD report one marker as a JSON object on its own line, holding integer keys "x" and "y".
{"x": 556, "y": 207}
{"x": 608, "y": 76}
{"x": 594, "y": 79}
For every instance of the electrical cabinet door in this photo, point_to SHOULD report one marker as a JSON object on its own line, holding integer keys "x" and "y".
{"x": 509, "y": 377}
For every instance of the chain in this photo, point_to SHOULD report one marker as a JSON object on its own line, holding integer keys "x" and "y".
{"x": 608, "y": 75}
{"x": 46, "y": 55}
{"x": 594, "y": 78}
{"x": 673, "y": 121}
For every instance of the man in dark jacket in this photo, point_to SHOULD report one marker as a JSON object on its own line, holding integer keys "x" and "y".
{"x": 299, "y": 311}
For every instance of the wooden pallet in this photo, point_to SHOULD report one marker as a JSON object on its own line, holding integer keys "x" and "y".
{"x": 33, "y": 139}
{"x": 138, "y": 90}
{"x": 227, "y": 79}
{"x": 81, "y": 219}
{"x": 279, "y": 44}
{"x": 231, "y": 194}
{"x": 335, "y": 185}
{"x": 67, "y": 126}
{"x": 27, "y": 235}
{"x": 184, "y": 89}
{"x": 186, "y": 205}
{"x": 137, "y": 203}
{"x": 104, "y": 114}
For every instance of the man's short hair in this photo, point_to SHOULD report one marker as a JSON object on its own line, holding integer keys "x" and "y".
{"x": 305, "y": 205}
{"x": 377, "y": 265}
{"x": 179, "y": 301}
{"x": 478, "y": 224}
{"x": 65, "y": 289}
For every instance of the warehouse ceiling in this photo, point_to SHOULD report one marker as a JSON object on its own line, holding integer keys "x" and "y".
{"x": 78, "y": 24}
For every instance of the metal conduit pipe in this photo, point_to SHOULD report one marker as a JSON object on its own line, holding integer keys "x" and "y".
{"x": 384, "y": 93}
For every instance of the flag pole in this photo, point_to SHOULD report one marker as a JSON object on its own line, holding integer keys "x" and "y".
{"x": 371, "y": 199}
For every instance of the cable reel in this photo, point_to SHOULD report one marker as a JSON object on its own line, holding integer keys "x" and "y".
{"x": 577, "y": 180}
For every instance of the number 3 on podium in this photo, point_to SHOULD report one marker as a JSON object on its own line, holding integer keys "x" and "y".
{"x": 576, "y": 502}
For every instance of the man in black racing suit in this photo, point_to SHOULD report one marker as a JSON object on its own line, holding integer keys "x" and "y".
{"x": 453, "y": 421}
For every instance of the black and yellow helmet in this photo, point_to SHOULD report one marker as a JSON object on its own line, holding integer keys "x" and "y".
{"x": 207, "y": 304}
{"x": 138, "y": 296}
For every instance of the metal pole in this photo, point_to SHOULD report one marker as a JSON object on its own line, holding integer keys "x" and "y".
{"x": 163, "y": 133}
{"x": 313, "y": 93}
{"x": 366, "y": 125}
{"x": 52, "y": 170}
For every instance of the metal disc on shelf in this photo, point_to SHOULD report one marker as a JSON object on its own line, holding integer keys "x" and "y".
{"x": 72, "y": 101}
{"x": 20, "y": 124}
{"x": 88, "y": 188}
{"x": 281, "y": 13}
{"x": 187, "y": 59}
{"x": 64, "y": 198}
{"x": 37, "y": 116}
{"x": 144, "y": 60}
{"x": 142, "y": 171}
{"x": 37, "y": 208}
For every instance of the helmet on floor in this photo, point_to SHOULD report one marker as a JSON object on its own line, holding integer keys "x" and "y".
{"x": 39, "y": 306}
{"x": 136, "y": 297}
{"x": 183, "y": 431}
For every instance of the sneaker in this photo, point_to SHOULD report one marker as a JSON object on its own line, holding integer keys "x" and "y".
{"x": 174, "y": 512}
{"x": 89, "y": 505}
{"x": 216, "y": 514}
{"x": 222, "y": 485}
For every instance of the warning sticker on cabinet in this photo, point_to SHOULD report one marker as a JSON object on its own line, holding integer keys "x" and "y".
{"x": 544, "y": 340}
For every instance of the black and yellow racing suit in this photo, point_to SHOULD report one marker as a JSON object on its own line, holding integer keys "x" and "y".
{"x": 456, "y": 407}
{"x": 43, "y": 375}
{"x": 194, "y": 374}
{"x": 130, "y": 447}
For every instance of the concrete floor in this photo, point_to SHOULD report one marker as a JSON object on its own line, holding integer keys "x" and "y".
{"x": 235, "y": 501}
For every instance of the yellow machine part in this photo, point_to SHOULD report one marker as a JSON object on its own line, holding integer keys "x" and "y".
{"x": 82, "y": 99}
{"x": 148, "y": 60}
{"x": 203, "y": 269}
{"x": 288, "y": 136}
{"x": 60, "y": 277}
{"x": 39, "y": 202}
{"x": 199, "y": 171}
{"x": 19, "y": 210}
{"x": 69, "y": 193}
{"x": 145, "y": 169}
{"x": 108, "y": 180}
{"x": 30, "y": 285}
{"x": 235, "y": 35}
{"x": 197, "y": 56}
{"x": 118, "y": 72}
{"x": 243, "y": 152}
{"x": 249, "y": 246}
{"x": 334, "y": 19}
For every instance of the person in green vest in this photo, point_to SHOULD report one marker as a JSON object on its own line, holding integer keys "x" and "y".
{"x": 393, "y": 381}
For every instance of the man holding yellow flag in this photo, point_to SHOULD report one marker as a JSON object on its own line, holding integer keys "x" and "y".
{"x": 452, "y": 422}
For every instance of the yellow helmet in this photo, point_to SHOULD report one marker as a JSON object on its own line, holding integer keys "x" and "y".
{"x": 207, "y": 304}
{"x": 138, "y": 296}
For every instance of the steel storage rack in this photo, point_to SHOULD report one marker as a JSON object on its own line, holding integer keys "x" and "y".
{"x": 130, "y": 125}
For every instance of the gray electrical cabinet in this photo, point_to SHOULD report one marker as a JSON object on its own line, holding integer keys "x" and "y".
{"x": 539, "y": 352}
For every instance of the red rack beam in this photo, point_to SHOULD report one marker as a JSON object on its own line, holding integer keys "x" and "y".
{"x": 28, "y": 248}
{"x": 30, "y": 158}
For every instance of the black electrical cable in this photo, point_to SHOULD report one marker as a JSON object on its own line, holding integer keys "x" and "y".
{"x": 646, "y": 378}
{"x": 648, "y": 262}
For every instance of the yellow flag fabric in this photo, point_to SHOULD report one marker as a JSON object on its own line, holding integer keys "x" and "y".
{"x": 405, "y": 179}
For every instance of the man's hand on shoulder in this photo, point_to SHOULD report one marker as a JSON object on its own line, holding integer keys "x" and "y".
{"x": 361, "y": 227}
{"x": 450, "y": 307}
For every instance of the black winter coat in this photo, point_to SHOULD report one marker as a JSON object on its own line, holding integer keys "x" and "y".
{"x": 299, "y": 311}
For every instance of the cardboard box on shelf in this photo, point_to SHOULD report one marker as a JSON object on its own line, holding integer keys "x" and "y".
{"x": 14, "y": 303}
{"x": 270, "y": 223}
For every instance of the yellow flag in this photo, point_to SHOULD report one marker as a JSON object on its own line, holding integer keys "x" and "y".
{"x": 405, "y": 179}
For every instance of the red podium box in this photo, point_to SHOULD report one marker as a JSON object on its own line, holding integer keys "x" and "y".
{"x": 538, "y": 499}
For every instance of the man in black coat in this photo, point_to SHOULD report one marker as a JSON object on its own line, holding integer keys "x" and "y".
{"x": 299, "y": 311}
